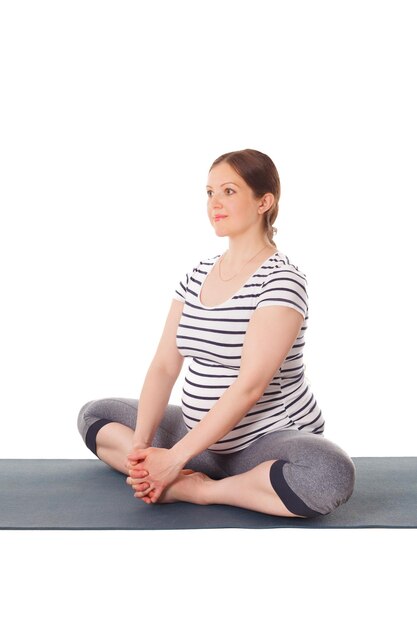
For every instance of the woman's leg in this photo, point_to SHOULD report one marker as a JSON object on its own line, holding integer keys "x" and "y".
{"x": 107, "y": 428}
{"x": 287, "y": 472}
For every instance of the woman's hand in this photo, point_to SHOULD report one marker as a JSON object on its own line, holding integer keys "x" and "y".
{"x": 137, "y": 445}
{"x": 162, "y": 465}
{"x": 130, "y": 464}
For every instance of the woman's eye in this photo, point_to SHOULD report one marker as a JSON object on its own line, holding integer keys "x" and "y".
{"x": 227, "y": 189}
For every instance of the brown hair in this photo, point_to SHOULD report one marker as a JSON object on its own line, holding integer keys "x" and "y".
{"x": 260, "y": 174}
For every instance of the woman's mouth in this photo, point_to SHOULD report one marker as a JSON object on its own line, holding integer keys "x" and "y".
{"x": 220, "y": 217}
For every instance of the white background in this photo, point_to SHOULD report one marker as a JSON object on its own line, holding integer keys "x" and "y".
{"x": 111, "y": 114}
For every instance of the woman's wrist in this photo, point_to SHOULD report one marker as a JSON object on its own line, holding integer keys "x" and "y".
{"x": 181, "y": 452}
{"x": 140, "y": 442}
{"x": 178, "y": 460}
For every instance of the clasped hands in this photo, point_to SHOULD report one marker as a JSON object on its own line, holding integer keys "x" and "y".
{"x": 157, "y": 466}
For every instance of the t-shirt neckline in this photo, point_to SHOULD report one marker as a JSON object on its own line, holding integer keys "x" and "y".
{"x": 237, "y": 292}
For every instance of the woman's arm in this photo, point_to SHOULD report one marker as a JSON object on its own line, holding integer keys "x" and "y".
{"x": 271, "y": 332}
{"x": 229, "y": 409}
{"x": 153, "y": 401}
{"x": 160, "y": 379}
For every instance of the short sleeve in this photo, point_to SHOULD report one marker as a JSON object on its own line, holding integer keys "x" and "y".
{"x": 182, "y": 286}
{"x": 285, "y": 286}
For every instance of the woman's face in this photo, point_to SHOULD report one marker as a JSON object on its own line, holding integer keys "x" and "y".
{"x": 228, "y": 195}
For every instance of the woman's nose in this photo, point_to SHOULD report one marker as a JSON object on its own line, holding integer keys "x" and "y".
{"x": 214, "y": 201}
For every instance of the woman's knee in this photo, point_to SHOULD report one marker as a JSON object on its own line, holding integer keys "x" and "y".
{"x": 99, "y": 412}
{"x": 123, "y": 410}
{"x": 335, "y": 481}
{"x": 318, "y": 478}
{"x": 95, "y": 413}
{"x": 82, "y": 420}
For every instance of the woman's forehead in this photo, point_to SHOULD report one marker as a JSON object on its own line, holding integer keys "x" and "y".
{"x": 223, "y": 174}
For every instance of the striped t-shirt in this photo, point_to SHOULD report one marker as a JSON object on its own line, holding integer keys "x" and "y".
{"x": 213, "y": 337}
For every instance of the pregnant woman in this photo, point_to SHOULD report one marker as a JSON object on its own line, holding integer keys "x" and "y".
{"x": 249, "y": 431}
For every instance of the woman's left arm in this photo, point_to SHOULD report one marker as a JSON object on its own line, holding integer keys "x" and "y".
{"x": 269, "y": 337}
{"x": 229, "y": 409}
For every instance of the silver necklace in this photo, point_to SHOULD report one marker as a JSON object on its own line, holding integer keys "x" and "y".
{"x": 225, "y": 280}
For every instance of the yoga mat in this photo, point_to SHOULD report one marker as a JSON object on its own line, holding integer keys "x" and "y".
{"x": 80, "y": 494}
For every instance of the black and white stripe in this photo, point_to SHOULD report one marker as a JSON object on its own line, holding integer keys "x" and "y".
{"x": 213, "y": 337}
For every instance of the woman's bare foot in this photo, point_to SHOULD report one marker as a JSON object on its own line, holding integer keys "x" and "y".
{"x": 189, "y": 486}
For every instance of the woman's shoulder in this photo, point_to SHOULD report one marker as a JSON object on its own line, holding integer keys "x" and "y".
{"x": 284, "y": 284}
{"x": 280, "y": 262}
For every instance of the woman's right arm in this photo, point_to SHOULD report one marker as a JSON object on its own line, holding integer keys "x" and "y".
{"x": 159, "y": 381}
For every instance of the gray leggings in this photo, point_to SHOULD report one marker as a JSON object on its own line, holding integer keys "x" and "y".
{"x": 311, "y": 475}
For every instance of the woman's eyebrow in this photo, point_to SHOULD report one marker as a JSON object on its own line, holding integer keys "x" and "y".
{"x": 229, "y": 183}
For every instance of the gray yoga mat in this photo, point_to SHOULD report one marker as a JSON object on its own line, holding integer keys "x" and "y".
{"x": 79, "y": 494}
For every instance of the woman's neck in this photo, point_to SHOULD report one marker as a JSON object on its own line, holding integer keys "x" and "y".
{"x": 241, "y": 252}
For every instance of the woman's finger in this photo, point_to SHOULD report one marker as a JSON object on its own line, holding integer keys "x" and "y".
{"x": 130, "y": 462}
{"x": 155, "y": 495}
{"x": 141, "y": 488}
{"x": 138, "y": 454}
{"x": 145, "y": 494}
{"x": 136, "y": 472}
{"x": 131, "y": 479}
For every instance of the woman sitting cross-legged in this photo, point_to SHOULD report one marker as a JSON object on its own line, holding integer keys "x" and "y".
{"x": 249, "y": 432}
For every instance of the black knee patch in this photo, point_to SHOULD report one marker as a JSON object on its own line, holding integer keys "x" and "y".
{"x": 287, "y": 495}
{"x": 90, "y": 438}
